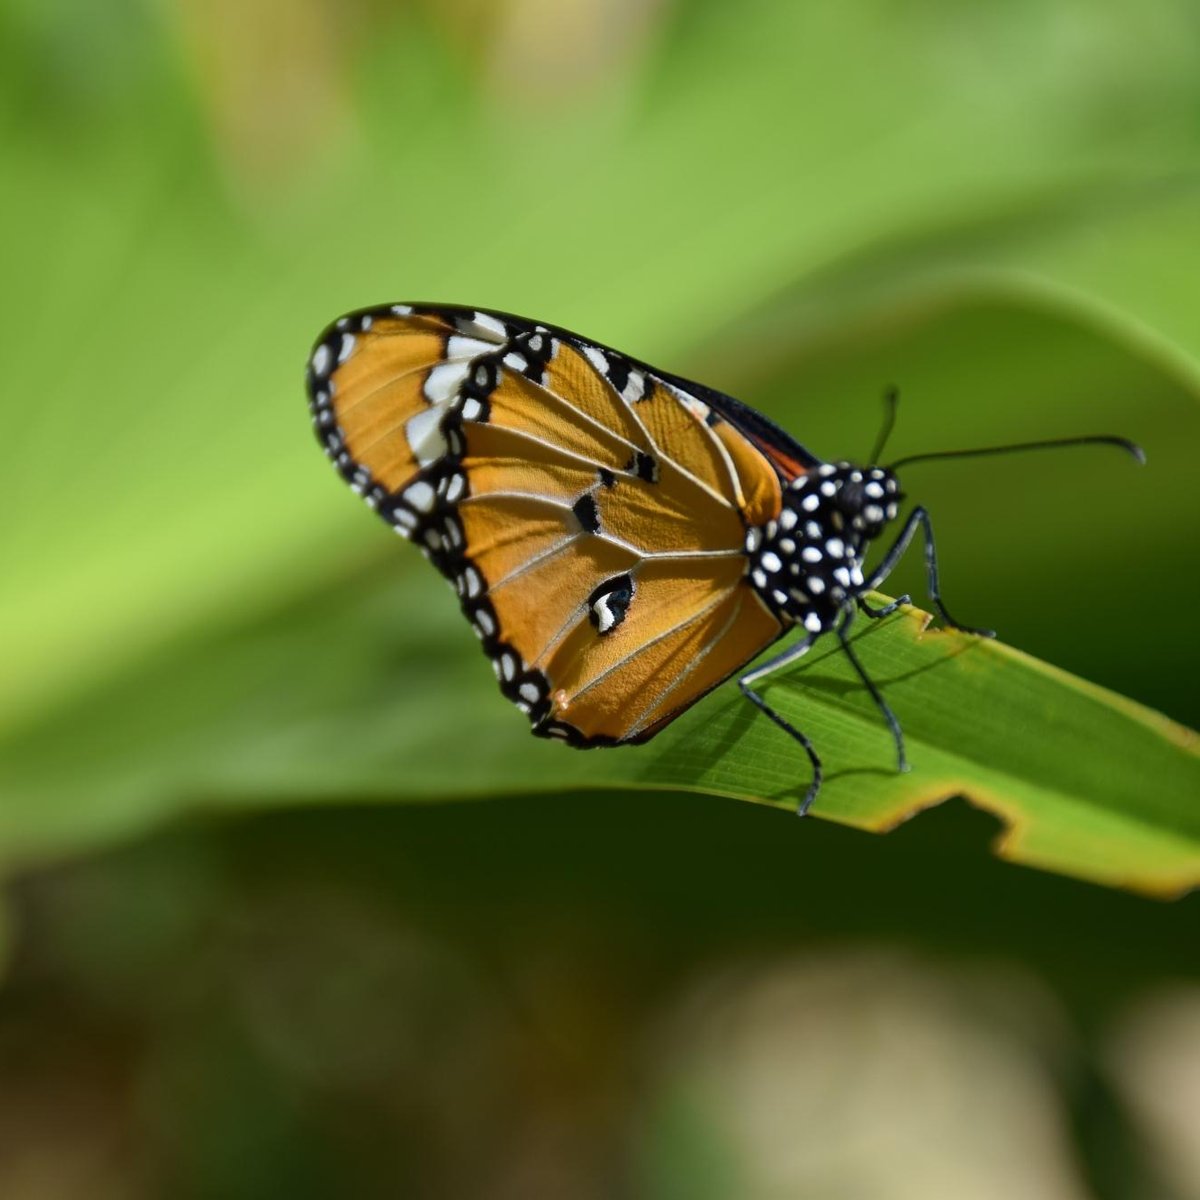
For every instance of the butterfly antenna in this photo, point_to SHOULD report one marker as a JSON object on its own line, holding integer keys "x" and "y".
{"x": 1131, "y": 448}
{"x": 890, "y": 399}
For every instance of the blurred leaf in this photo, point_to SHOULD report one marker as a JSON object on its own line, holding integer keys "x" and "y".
{"x": 862, "y": 163}
{"x": 164, "y": 474}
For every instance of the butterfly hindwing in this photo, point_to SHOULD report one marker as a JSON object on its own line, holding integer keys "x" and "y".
{"x": 590, "y": 511}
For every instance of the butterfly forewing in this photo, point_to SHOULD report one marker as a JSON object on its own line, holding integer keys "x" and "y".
{"x": 591, "y": 513}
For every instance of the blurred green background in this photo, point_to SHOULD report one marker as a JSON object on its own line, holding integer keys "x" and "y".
{"x": 214, "y": 989}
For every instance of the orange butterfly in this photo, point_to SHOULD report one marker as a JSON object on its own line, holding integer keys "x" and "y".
{"x": 621, "y": 540}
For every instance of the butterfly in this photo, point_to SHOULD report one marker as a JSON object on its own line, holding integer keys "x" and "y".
{"x": 621, "y": 540}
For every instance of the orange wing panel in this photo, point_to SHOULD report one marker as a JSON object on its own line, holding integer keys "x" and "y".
{"x": 499, "y": 459}
{"x": 377, "y": 390}
{"x": 791, "y": 467}
{"x": 720, "y": 644}
{"x": 506, "y": 532}
{"x": 518, "y": 403}
{"x": 683, "y": 435}
{"x": 536, "y": 615}
{"x": 667, "y": 515}
{"x": 678, "y": 632}
{"x": 570, "y": 374}
{"x": 539, "y": 584}
{"x": 760, "y": 484}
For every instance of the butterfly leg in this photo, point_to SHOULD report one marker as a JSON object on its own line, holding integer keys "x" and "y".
{"x": 886, "y": 611}
{"x": 789, "y": 656}
{"x": 876, "y": 695}
{"x": 919, "y": 519}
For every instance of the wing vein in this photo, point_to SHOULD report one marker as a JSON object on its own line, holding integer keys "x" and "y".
{"x": 666, "y": 454}
{"x": 536, "y": 560}
{"x": 642, "y": 647}
{"x": 578, "y": 414}
{"x": 612, "y": 539}
{"x": 692, "y": 667}
{"x": 391, "y": 379}
{"x": 735, "y": 482}
{"x": 734, "y": 485}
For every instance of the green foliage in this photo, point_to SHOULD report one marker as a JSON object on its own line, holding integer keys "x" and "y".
{"x": 387, "y": 697}
{"x": 799, "y": 205}
{"x": 256, "y": 950}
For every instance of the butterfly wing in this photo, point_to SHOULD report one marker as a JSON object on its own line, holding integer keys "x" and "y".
{"x": 590, "y": 511}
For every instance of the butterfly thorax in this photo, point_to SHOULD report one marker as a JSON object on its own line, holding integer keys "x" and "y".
{"x": 807, "y": 562}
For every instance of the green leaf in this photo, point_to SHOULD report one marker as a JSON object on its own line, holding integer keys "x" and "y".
{"x": 376, "y": 691}
{"x": 1087, "y": 783}
{"x": 874, "y": 167}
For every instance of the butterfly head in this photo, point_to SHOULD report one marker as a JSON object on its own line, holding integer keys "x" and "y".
{"x": 853, "y": 503}
{"x": 867, "y": 499}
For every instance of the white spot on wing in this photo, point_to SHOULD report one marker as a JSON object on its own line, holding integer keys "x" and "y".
{"x": 466, "y": 347}
{"x": 320, "y": 359}
{"x": 444, "y": 381}
{"x": 605, "y": 619}
{"x": 424, "y": 435}
{"x": 493, "y": 325}
{"x": 347, "y": 347}
{"x": 420, "y": 495}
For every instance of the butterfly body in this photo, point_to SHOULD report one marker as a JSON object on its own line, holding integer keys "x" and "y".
{"x": 807, "y": 562}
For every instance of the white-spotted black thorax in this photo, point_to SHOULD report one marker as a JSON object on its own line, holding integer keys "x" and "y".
{"x": 807, "y": 563}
